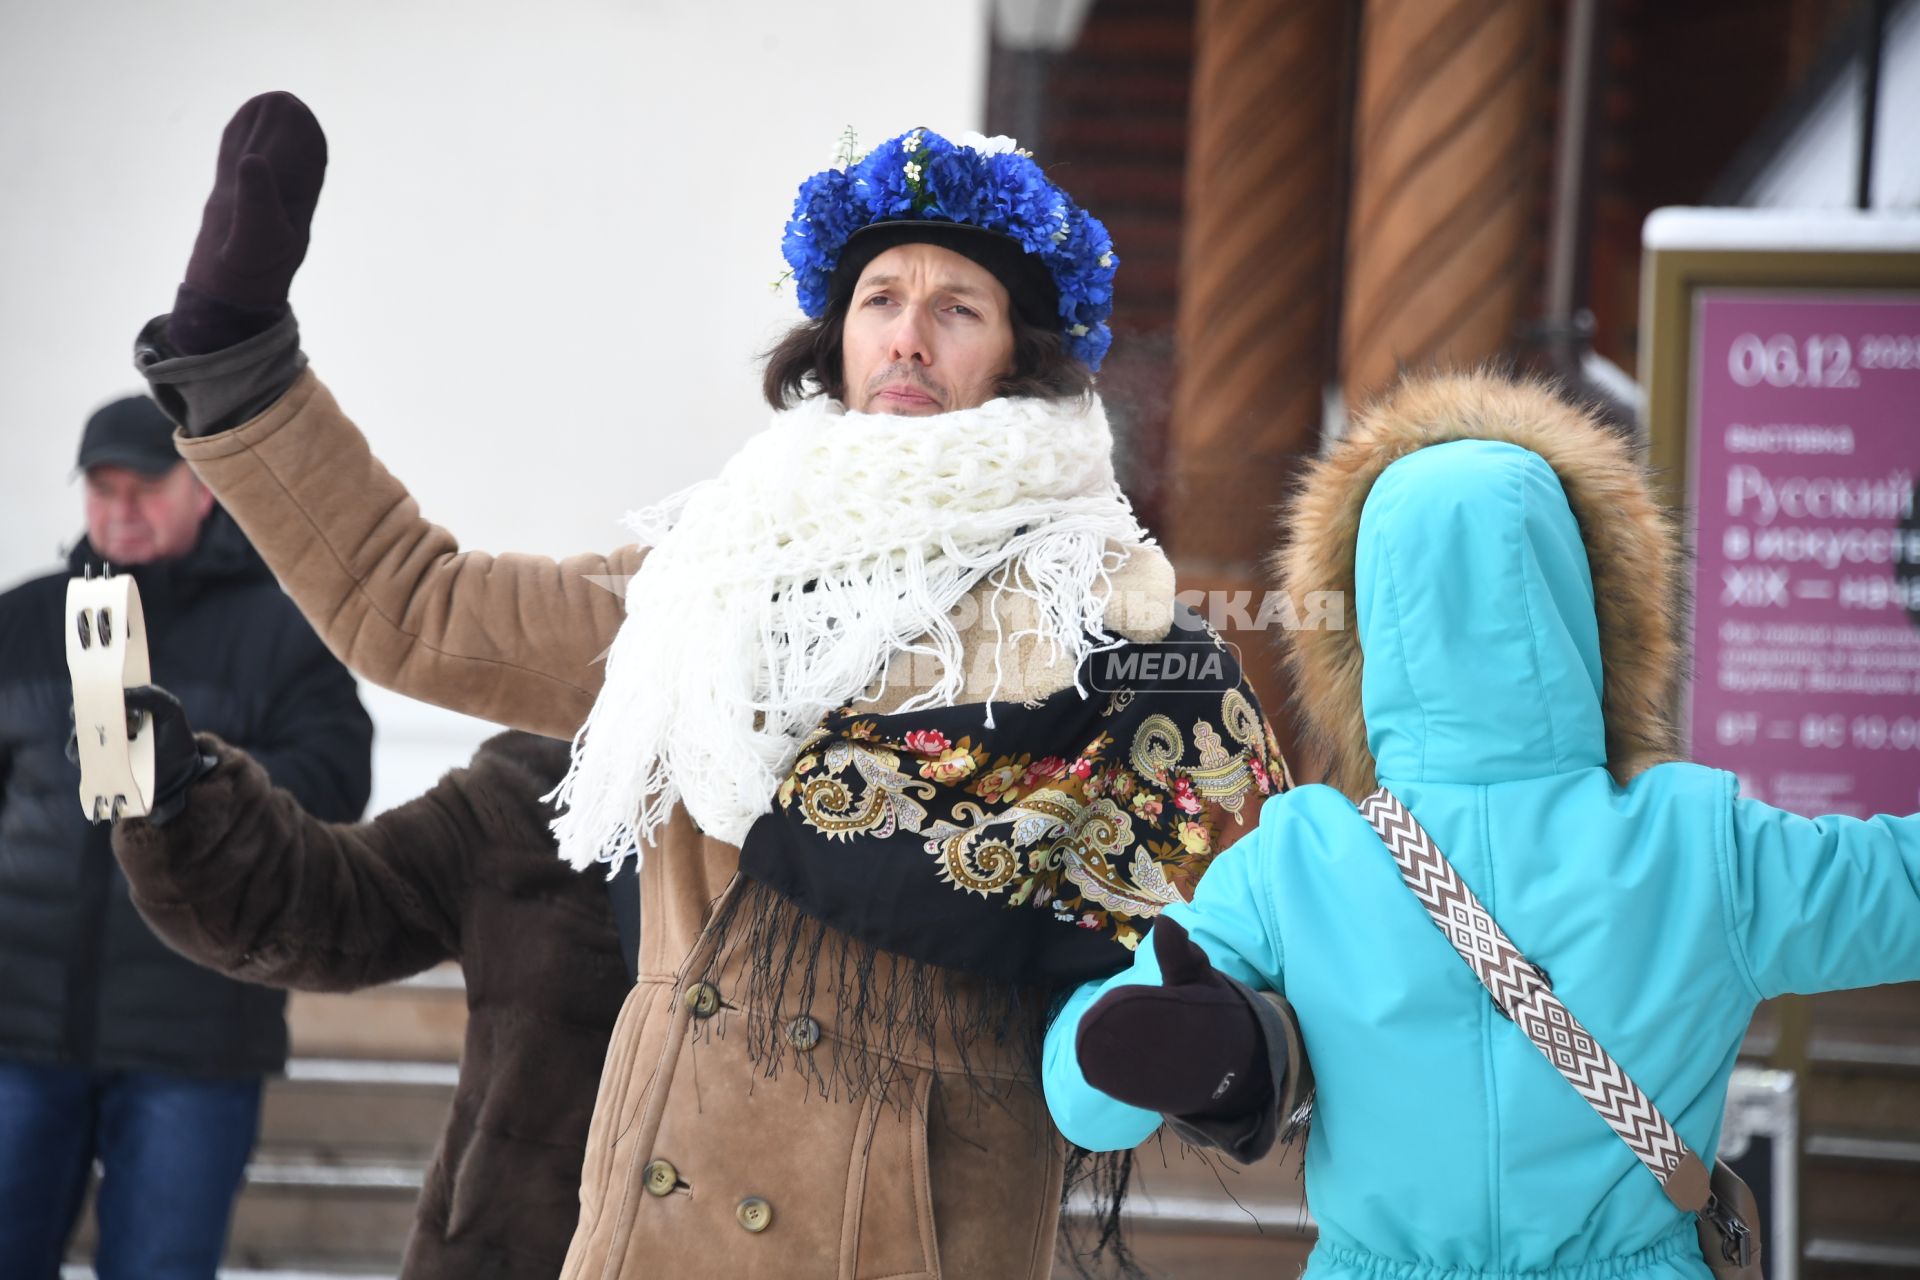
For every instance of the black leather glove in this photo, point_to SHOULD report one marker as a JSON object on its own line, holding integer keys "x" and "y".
{"x": 253, "y": 233}
{"x": 1190, "y": 1048}
{"x": 178, "y": 762}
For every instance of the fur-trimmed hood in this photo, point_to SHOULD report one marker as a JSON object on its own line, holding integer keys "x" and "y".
{"x": 1517, "y": 590}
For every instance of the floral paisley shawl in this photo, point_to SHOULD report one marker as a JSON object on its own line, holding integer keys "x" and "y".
{"x": 1037, "y": 849}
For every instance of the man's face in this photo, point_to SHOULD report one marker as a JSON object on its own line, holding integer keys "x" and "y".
{"x": 137, "y": 519}
{"x": 928, "y": 331}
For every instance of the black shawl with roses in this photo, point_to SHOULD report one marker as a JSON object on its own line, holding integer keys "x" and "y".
{"x": 1017, "y": 857}
{"x": 1037, "y": 848}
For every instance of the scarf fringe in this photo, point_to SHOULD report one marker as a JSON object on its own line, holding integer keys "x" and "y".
{"x": 1097, "y": 1234}
{"x": 1093, "y": 1197}
{"x": 873, "y": 1009}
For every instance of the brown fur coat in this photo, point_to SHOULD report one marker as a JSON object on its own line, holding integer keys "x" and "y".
{"x": 247, "y": 883}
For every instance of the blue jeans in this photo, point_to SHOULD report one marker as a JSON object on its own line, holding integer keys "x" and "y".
{"x": 172, "y": 1152}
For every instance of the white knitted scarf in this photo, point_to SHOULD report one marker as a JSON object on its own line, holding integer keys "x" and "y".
{"x": 780, "y": 590}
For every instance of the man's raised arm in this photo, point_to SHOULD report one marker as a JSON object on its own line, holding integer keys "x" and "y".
{"x": 513, "y": 639}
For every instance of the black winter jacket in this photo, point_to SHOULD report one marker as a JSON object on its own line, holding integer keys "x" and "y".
{"x": 83, "y": 981}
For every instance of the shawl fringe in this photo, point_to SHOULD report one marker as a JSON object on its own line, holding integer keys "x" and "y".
{"x": 874, "y": 1009}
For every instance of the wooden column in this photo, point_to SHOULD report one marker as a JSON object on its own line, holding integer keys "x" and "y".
{"x": 1262, "y": 209}
{"x": 1259, "y": 266}
{"x": 1450, "y": 134}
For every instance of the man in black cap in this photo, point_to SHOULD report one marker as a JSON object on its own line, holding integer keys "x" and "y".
{"x": 143, "y": 504}
{"x": 112, "y": 1048}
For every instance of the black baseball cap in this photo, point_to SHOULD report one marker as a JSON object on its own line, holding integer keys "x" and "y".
{"x": 130, "y": 433}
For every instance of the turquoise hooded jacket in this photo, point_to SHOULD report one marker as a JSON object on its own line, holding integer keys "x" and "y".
{"x": 1664, "y": 910}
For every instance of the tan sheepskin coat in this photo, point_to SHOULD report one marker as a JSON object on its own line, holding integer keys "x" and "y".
{"x": 697, "y": 1164}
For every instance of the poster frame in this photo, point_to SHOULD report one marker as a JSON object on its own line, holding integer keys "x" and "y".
{"x": 1678, "y": 263}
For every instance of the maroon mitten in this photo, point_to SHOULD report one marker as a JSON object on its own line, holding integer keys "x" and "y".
{"x": 1190, "y": 1047}
{"x": 254, "y": 230}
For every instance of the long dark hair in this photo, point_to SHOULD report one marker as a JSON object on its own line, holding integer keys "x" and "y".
{"x": 807, "y": 361}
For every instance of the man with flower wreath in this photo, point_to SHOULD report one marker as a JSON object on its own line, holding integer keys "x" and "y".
{"x": 907, "y": 778}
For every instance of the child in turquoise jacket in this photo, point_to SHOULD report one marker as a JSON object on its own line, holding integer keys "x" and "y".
{"x": 1513, "y": 586}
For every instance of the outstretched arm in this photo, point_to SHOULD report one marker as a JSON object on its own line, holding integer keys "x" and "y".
{"x": 1225, "y": 1049}
{"x": 235, "y": 875}
{"x": 1819, "y": 904}
{"x": 248, "y": 884}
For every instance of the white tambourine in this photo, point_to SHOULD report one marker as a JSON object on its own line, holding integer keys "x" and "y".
{"x": 106, "y": 656}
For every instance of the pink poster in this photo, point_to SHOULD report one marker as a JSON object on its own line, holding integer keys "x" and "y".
{"x": 1806, "y": 644}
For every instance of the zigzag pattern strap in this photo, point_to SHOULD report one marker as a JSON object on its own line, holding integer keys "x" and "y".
{"x": 1521, "y": 991}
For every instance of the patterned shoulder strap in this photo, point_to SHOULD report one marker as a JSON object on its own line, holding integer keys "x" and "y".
{"x": 1522, "y": 992}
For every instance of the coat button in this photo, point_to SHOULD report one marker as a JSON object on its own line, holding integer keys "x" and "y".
{"x": 703, "y": 999}
{"x": 803, "y": 1033}
{"x": 755, "y": 1214}
{"x": 662, "y": 1178}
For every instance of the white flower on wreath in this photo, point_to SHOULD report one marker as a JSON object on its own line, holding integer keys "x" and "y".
{"x": 846, "y": 150}
{"x": 998, "y": 145}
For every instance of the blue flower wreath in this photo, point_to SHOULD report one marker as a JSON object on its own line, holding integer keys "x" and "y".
{"x": 921, "y": 175}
